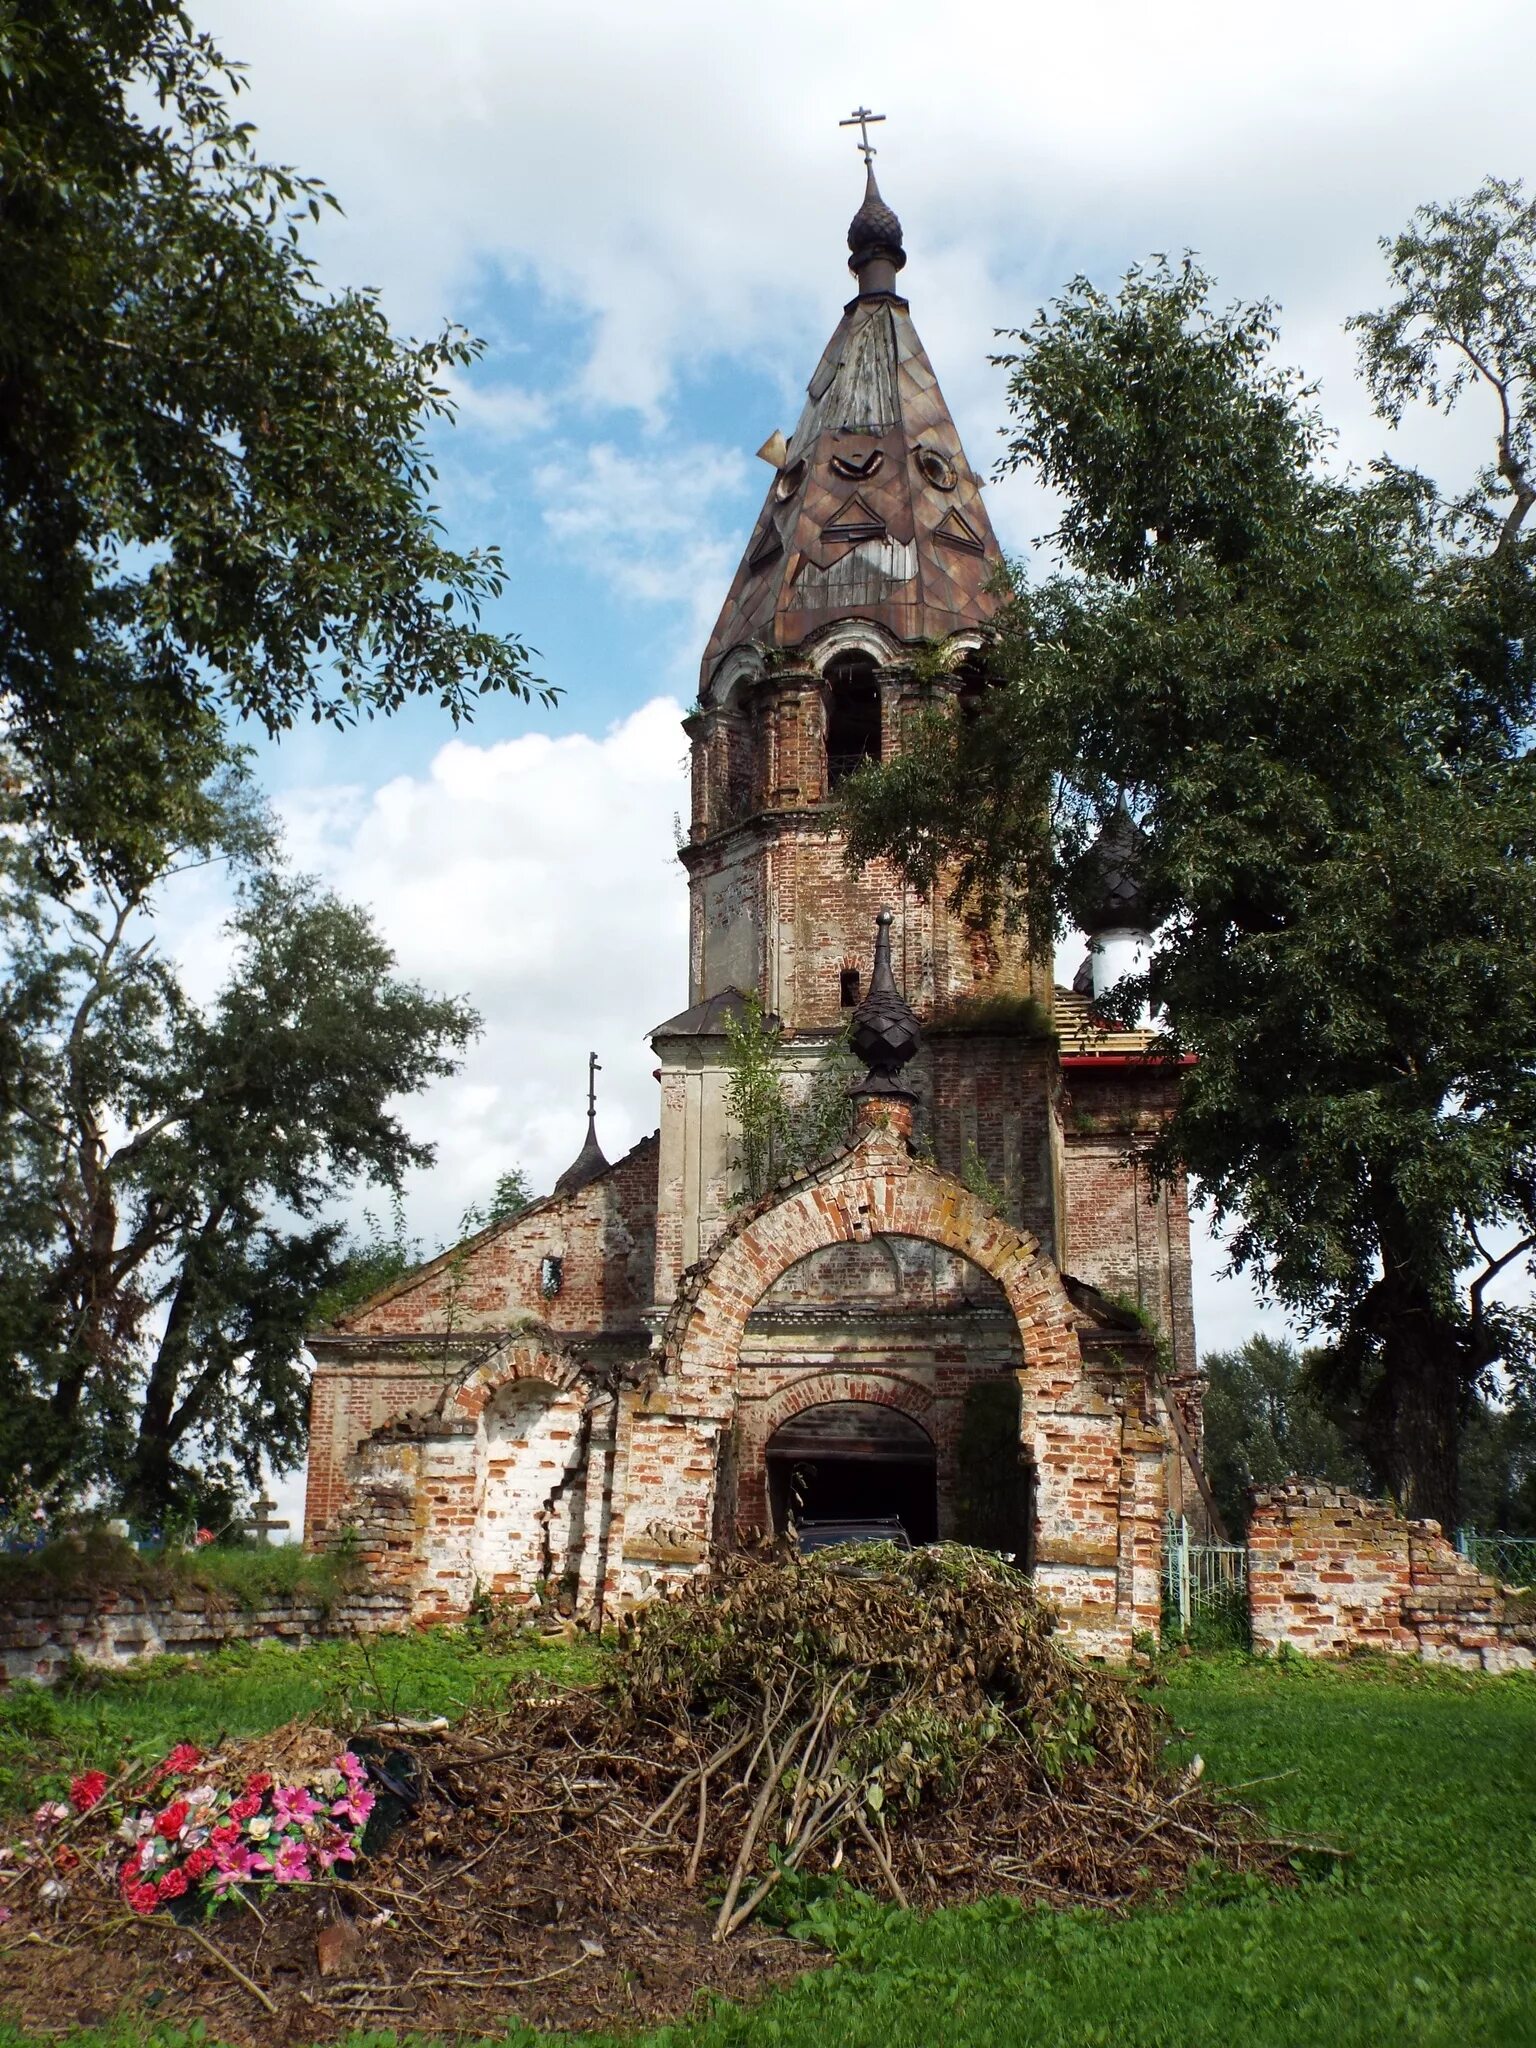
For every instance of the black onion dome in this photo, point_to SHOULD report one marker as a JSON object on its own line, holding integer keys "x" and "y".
{"x": 587, "y": 1165}
{"x": 1109, "y": 888}
{"x": 874, "y": 231}
{"x": 884, "y": 1033}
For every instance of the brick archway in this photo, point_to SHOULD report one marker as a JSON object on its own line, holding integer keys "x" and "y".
{"x": 876, "y": 1189}
{"x": 525, "y": 1358}
{"x": 820, "y": 1390}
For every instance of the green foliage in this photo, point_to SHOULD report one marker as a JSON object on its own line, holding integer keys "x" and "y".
{"x": 243, "y": 1575}
{"x": 1317, "y": 692}
{"x": 992, "y": 1505}
{"x": 169, "y": 1163}
{"x": 215, "y": 479}
{"x": 101, "y": 1719}
{"x": 976, "y": 1179}
{"x": 778, "y": 1133}
{"x": 993, "y": 1017}
{"x": 1264, "y": 1420}
{"x": 370, "y": 1263}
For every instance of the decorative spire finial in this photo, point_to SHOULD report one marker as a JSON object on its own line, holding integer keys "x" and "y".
{"x": 860, "y": 118}
{"x": 875, "y": 253}
{"x": 590, "y": 1160}
{"x": 884, "y": 1033}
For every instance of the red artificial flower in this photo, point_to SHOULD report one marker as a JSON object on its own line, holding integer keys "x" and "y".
{"x": 131, "y": 1862}
{"x": 86, "y": 1790}
{"x": 173, "y": 1884}
{"x": 257, "y": 1783}
{"x": 199, "y": 1863}
{"x": 186, "y": 1756}
{"x": 173, "y": 1820}
{"x": 204, "y": 1536}
{"x": 65, "y": 1858}
{"x": 142, "y": 1897}
{"x": 247, "y": 1808}
{"x": 227, "y": 1831}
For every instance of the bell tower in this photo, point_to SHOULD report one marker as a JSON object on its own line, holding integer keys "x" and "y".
{"x": 863, "y": 595}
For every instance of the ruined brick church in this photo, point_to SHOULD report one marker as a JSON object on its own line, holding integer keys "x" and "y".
{"x": 582, "y": 1404}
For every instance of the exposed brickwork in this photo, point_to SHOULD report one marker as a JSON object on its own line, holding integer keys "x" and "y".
{"x": 1329, "y": 1573}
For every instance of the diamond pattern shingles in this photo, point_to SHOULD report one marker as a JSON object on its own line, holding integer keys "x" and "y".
{"x": 874, "y": 364}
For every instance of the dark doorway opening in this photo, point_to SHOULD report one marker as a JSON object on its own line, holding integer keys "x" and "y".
{"x": 854, "y": 1461}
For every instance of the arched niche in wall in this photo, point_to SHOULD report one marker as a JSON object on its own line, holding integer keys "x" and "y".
{"x": 853, "y": 714}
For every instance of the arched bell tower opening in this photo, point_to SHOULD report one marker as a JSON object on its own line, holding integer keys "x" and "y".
{"x": 853, "y": 715}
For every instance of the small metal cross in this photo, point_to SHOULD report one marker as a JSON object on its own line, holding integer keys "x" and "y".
{"x": 860, "y": 118}
{"x": 594, "y": 1068}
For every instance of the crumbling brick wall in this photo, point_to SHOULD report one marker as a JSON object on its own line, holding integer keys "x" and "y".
{"x": 1329, "y": 1573}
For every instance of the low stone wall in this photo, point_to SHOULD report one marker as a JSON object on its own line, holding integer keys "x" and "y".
{"x": 38, "y": 1636}
{"x": 1329, "y": 1573}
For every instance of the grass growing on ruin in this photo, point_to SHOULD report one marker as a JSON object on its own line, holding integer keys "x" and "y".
{"x": 102, "y": 1719}
{"x": 93, "y": 1561}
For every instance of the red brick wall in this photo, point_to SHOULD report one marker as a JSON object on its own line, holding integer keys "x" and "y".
{"x": 1119, "y": 1235}
{"x": 1329, "y": 1573}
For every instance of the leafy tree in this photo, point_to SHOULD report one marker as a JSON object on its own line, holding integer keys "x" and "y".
{"x": 511, "y": 1196}
{"x": 214, "y": 474}
{"x": 169, "y": 1162}
{"x": 370, "y": 1263}
{"x": 1264, "y": 1420}
{"x": 780, "y": 1131}
{"x": 1316, "y": 691}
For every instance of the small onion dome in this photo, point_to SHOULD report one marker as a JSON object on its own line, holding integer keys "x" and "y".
{"x": 874, "y": 237}
{"x": 1108, "y": 888}
{"x": 587, "y": 1165}
{"x": 884, "y": 1032}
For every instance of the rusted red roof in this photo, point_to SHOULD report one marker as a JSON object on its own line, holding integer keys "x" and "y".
{"x": 875, "y": 512}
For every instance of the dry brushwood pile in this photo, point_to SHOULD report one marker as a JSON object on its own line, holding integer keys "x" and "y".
{"x": 904, "y": 1720}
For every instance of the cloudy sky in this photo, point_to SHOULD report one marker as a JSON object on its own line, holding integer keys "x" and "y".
{"x": 641, "y": 209}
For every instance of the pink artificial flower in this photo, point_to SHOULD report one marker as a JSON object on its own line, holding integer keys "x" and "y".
{"x": 48, "y": 1815}
{"x": 357, "y": 1806}
{"x": 334, "y": 1847}
{"x": 237, "y": 1865}
{"x": 351, "y": 1767}
{"x": 291, "y": 1863}
{"x": 292, "y": 1805}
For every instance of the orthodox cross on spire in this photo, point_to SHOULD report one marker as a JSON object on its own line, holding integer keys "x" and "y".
{"x": 594, "y": 1068}
{"x": 860, "y": 118}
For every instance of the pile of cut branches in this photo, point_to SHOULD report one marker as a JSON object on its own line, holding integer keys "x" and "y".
{"x": 903, "y": 1720}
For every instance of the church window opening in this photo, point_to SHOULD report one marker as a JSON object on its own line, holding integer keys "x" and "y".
{"x": 974, "y": 685}
{"x": 848, "y": 988}
{"x": 551, "y": 1275}
{"x": 853, "y": 716}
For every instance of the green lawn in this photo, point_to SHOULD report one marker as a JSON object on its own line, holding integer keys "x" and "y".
{"x": 1426, "y": 1935}
{"x": 46, "y": 1736}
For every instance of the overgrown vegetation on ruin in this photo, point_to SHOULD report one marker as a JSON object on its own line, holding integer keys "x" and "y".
{"x": 780, "y": 1131}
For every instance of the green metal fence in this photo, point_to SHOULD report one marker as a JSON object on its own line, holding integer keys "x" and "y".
{"x": 1509, "y": 1559}
{"x": 1205, "y": 1588}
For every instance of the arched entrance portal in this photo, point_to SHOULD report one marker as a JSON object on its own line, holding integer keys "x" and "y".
{"x": 853, "y": 1461}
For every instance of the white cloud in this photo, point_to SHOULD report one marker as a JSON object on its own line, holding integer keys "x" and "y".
{"x": 651, "y": 524}
{"x": 538, "y": 877}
